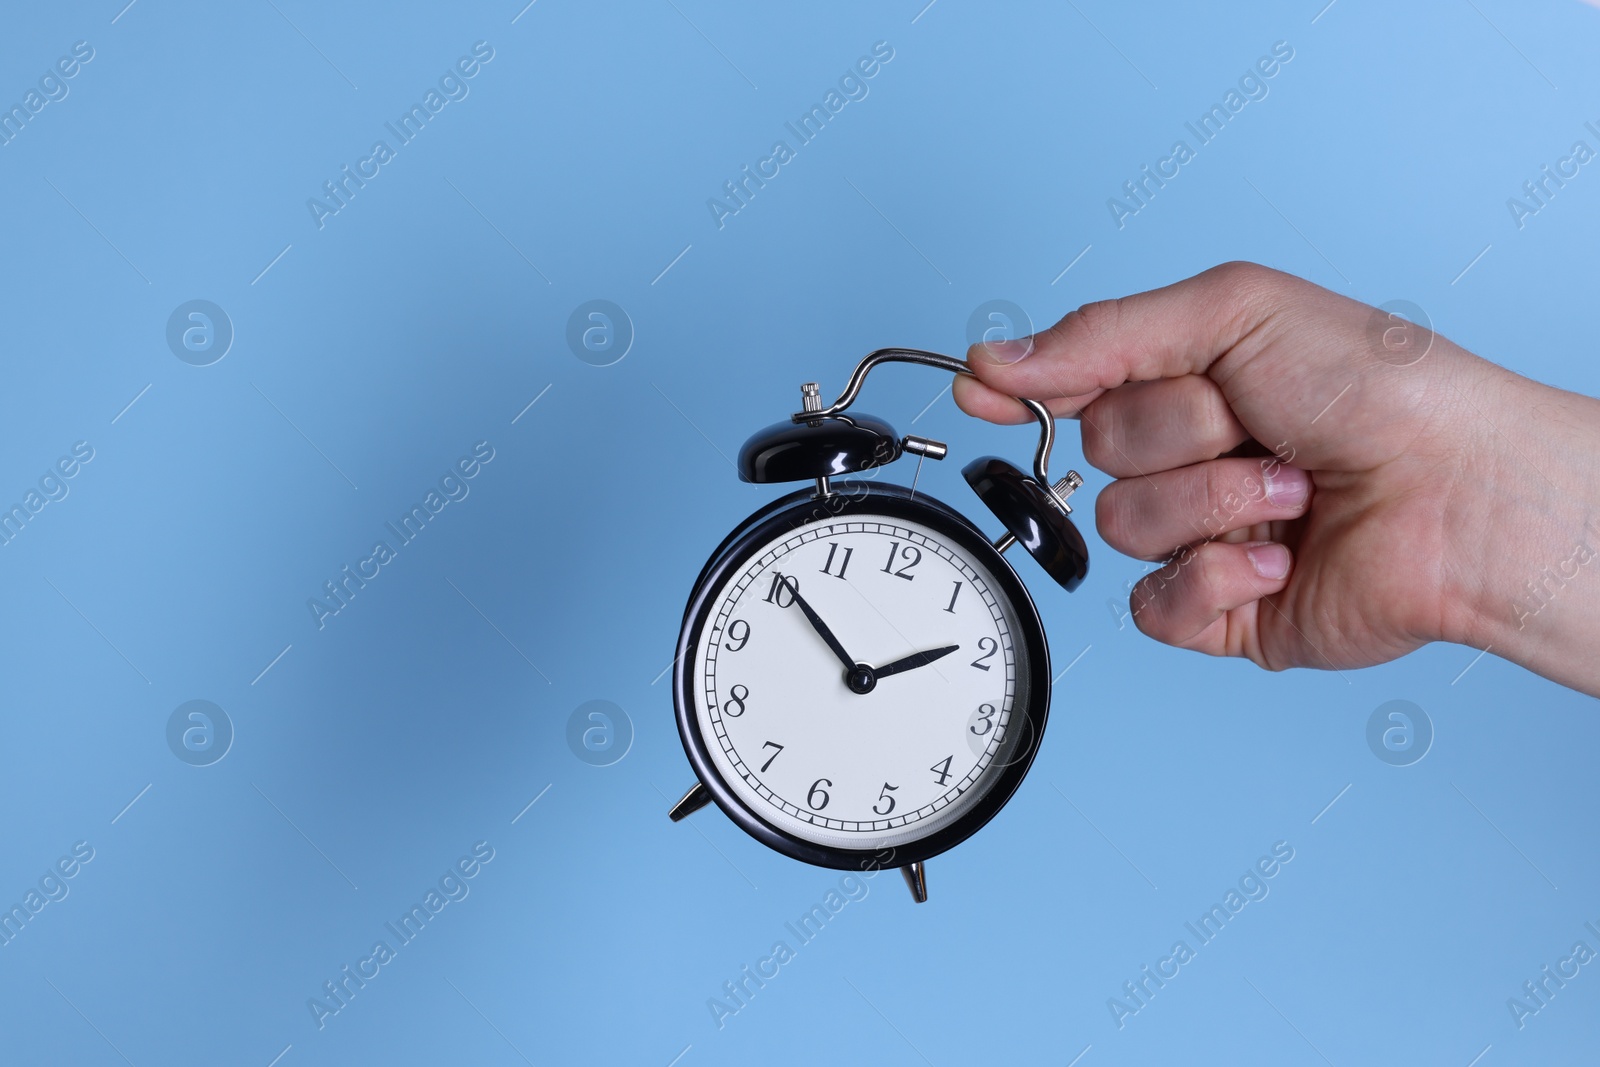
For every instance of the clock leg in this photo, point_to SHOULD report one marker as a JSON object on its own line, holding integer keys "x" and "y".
{"x": 917, "y": 879}
{"x": 696, "y": 798}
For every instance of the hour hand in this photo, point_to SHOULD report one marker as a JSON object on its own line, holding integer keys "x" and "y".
{"x": 818, "y": 625}
{"x": 918, "y": 659}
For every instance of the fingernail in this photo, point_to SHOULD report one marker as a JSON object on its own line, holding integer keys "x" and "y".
{"x": 1287, "y": 487}
{"x": 1007, "y": 351}
{"x": 1270, "y": 559}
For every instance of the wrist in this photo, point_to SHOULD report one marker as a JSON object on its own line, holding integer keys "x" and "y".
{"x": 1524, "y": 558}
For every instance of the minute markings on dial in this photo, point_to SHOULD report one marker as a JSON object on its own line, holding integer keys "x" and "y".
{"x": 857, "y": 792}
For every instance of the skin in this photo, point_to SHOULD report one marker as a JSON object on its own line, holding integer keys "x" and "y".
{"x": 1325, "y": 486}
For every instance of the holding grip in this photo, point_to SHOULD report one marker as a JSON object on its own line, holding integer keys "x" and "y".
{"x": 852, "y": 389}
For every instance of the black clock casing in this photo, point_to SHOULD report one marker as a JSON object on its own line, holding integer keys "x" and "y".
{"x": 792, "y": 513}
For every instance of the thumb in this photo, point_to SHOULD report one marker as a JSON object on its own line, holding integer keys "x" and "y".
{"x": 1165, "y": 333}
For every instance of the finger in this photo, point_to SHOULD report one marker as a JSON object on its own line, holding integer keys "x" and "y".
{"x": 1180, "y": 329}
{"x": 1154, "y": 426}
{"x": 1147, "y": 517}
{"x": 1205, "y": 599}
{"x": 975, "y": 398}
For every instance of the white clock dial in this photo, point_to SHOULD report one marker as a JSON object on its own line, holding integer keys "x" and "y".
{"x": 820, "y": 760}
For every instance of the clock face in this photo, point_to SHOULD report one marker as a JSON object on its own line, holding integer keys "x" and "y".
{"x": 908, "y": 741}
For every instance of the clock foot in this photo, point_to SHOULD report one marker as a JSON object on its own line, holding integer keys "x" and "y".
{"x": 696, "y": 798}
{"x": 917, "y": 879}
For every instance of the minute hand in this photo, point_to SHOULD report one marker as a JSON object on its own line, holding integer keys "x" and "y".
{"x": 820, "y": 626}
{"x": 916, "y": 660}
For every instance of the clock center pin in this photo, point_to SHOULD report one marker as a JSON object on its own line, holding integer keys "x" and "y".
{"x": 861, "y": 679}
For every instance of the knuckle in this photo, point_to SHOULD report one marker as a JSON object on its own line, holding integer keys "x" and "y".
{"x": 1230, "y": 498}
{"x": 1159, "y": 604}
{"x": 1146, "y": 620}
{"x": 1209, "y": 496}
{"x": 1252, "y": 288}
{"x": 1148, "y": 609}
{"x": 1100, "y": 427}
{"x": 1208, "y": 581}
{"x": 1236, "y": 271}
{"x": 1253, "y": 292}
{"x": 1242, "y": 276}
{"x": 1207, "y": 410}
{"x": 1112, "y": 507}
{"x": 1093, "y": 321}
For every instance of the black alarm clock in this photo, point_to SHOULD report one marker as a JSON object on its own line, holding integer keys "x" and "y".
{"x": 860, "y": 673}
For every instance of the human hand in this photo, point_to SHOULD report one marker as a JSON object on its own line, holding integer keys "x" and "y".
{"x": 1325, "y": 487}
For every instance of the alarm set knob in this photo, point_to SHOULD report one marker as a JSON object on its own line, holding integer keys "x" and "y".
{"x": 925, "y": 447}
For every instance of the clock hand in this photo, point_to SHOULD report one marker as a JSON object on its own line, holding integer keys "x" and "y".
{"x": 820, "y": 626}
{"x": 917, "y": 660}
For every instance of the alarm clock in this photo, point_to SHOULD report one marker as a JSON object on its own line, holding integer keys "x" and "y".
{"x": 862, "y": 679}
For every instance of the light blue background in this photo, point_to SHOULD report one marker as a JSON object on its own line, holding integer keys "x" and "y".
{"x": 378, "y": 749}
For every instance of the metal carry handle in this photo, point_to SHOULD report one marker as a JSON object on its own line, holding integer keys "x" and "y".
{"x": 1047, "y": 422}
